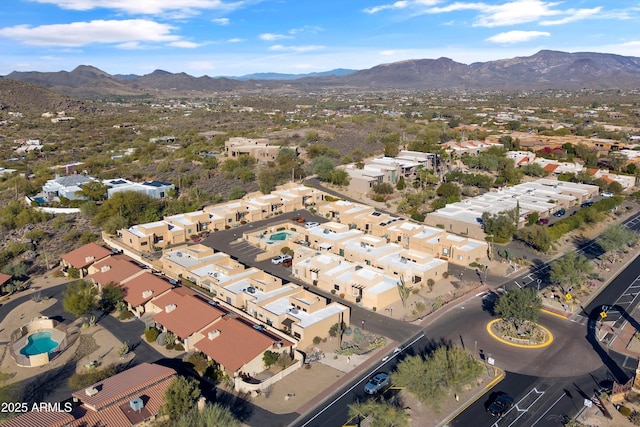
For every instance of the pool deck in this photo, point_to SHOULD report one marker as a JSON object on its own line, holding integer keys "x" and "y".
{"x": 30, "y": 309}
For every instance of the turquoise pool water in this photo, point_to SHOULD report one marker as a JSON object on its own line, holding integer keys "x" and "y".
{"x": 279, "y": 236}
{"x": 39, "y": 343}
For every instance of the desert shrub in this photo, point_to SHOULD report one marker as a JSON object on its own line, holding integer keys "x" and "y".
{"x": 317, "y": 340}
{"x": 624, "y": 411}
{"x": 125, "y": 315}
{"x": 78, "y": 381}
{"x": 151, "y": 334}
{"x": 179, "y": 347}
{"x": 199, "y": 362}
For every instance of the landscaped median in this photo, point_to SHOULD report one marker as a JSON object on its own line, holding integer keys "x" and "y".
{"x": 542, "y": 337}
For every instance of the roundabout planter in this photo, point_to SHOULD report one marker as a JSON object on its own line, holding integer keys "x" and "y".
{"x": 519, "y": 342}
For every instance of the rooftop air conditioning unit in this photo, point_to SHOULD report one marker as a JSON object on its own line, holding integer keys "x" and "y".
{"x": 212, "y": 334}
{"x": 89, "y": 258}
{"x": 147, "y": 294}
{"x": 136, "y": 404}
{"x": 251, "y": 290}
{"x": 105, "y": 268}
{"x": 91, "y": 391}
{"x": 169, "y": 308}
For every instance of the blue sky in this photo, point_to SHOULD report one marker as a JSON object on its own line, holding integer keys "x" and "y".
{"x": 233, "y": 38}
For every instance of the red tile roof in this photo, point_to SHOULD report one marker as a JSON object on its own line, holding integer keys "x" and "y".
{"x": 189, "y": 315}
{"x": 137, "y": 288}
{"x": 4, "y": 278}
{"x": 86, "y": 255}
{"x": 123, "y": 385}
{"x": 236, "y": 345}
{"x": 119, "y": 414}
{"x": 551, "y": 167}
{"x": 114, "y": 269}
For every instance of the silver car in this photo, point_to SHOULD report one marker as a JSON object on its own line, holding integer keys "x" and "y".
{"x": 377, "y": 384}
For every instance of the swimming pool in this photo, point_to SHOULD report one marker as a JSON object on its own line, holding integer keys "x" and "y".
{"x": 39, "y": 343}
{"x": 280, "y": 236}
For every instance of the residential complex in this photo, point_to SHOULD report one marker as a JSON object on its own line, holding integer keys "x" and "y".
{"x": 544, "y": 196}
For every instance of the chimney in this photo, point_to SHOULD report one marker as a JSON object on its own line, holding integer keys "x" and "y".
{"x": 169, "y": 308}
{"x": 147, "y": 294}
{"x": 213, "y": 334}
{"x": 89, "y": 258}
{"x": 105, "y": 268}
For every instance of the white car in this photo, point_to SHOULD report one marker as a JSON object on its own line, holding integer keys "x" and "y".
{"x": 606, "y": 194}
{"x": 280, "y": 259}
{"x": 311, "y": 224}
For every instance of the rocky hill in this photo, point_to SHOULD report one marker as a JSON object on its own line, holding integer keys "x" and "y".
{"x": 544, "y": 70}
{"x": 32, "y": 98}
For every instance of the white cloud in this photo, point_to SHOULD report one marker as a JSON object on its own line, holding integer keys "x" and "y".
{"x": 517, "y": 36}
{"x": 84, "y": 33}
{"x": 388, "y": 52}
{"x": 313, "y": 29}
{"x": 574, "y": 15}
{"x": 272, "y": 36}
{"x": 184, "y": 44}
{"x": 236, "y": 40}
{"x": 146, "y": 7}
{"x": 221, "y": 21}
{"x": 298, "y": 49}
{"x": 392, "y": 6}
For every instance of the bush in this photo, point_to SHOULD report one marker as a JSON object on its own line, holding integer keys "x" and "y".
{"x": 179, "y": 347}
{"x": 170, "y": 346}
{"x": 317, "y": 340}
{"x": 78, "y": 381}
{"x": 635, "y": 418}
{"x": 624, "y": 411}
{"x": 125, "y": 315}
{"x": 151, "y": 334}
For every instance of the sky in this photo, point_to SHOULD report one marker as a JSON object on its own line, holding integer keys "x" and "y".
{"x": 235, "y": 38}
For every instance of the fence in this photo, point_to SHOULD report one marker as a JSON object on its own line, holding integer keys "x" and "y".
{"x": 20, "y": 337}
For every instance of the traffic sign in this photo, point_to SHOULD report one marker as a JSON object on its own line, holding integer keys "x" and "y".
{"x": 568, "y": 297}
{"x": 603, "y": 314}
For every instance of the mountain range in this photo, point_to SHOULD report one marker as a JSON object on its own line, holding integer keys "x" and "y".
{"x": 544, "y": 70}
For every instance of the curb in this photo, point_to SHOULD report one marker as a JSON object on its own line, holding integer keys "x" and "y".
{"x": 474, "y": 398}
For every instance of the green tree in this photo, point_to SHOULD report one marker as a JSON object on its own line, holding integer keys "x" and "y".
{"x": 339, "y": 177}
{"x": 616, "y": 238}
{"x": 380, "y": 413}
{"x": 570, "y": 270}
{"x": 449, "y": 190}
{"x": 401, "y": 184}
{"x": 180, "y": 397}
{"x": 212, "y": 415}
{"x": 322, "y": 167}
{"x": 535, "y": 236}
{"x": 236, "y": 193}
{"x": 79, "y": 298}
{"x": 518, "y": 306}
{"x": 93, "y": 190}
{"x": 501, "y": 225}
{"x": 404, "y": 291}
{"x": 383, "y": 188}
{"x": 445, "y": 370}
{"x": 112, "y": 295}
{"x": 270, "y": 358}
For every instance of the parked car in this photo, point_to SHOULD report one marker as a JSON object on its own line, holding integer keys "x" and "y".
{"x": 606, "y": 194}
{"x": 500, "y": 405}
{"x": 304, "y": 242}
{"x": 311, "y": 224}
{"x": 280, "y": 259}
{"x": 299, "y": 220}
{"x": 287, "y": 262}
{"x": 559, "y": 213}
{"x": 543, "y": 221}
{"x": 377, "y": 384}
{"x": 587, "y": 204}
